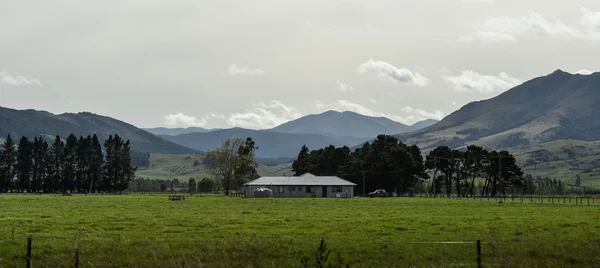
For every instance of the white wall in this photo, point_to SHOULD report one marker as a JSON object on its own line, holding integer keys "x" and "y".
{"x": 300, "y": 191}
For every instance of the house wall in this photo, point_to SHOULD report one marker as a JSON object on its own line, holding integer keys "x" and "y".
{"x": 300, "y": 191}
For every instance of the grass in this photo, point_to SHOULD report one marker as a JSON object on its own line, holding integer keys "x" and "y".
{"x": 214, "y": 231}
{"x": 181, "y": 167}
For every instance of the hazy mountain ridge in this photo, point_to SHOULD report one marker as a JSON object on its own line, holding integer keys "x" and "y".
{"x": 556, "y": 106}
{"x": 32, "y": 123}
{"x": 271, "y": 144}
{"x": 177, "y": 131}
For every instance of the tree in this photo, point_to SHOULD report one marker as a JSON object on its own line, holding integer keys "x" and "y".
{"x": 206, "y": 185}
{"x": 96, "y": 164}
{"x": 68, "y": 182}
{"x": 192, "y": 185}
{"x": 125, "y": 170}
{"x": 55, "y": 166}
{"x": 8, "y": 160}
{"x": 301, "y": 164}
{"x": 578, "y": 180}
{"x": 246, "y": 168}
{"x": 225, "y": 160}
{"x": 39, "y": 161}
{"x": 24, "y": 164}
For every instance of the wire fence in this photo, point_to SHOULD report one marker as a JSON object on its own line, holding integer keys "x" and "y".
{"x": 114, "y": 252}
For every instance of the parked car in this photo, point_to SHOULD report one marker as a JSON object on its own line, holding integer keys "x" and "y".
{"x": 378, "y": 193}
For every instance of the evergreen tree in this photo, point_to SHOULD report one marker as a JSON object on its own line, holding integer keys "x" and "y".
{"x": 126, "y": 171}
{"x": 69, "y": 182}
{"x": 8, "y": 160}
{"x": 24, "y": 165}
{"x": 301, "y": 164}
{"x": 96, "y": 163}
{"x": 109, "y": 168}
{"x": 39, "y": 159}
{"x": 192, "y": 186}
{"x": 55, "y": 166}
{"x": 84, "y": 154}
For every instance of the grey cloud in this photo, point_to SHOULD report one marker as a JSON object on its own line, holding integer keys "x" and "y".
{"x": 17, "y": 80}
{"x": 235, "y": 70}
{"x": 469, "y": 81}
{"x": 392, "y": 73}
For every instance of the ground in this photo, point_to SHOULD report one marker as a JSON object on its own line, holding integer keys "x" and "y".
{"x": 217, "y": 231}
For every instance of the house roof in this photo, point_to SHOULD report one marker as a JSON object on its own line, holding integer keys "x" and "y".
{"x": 305, "y": 179}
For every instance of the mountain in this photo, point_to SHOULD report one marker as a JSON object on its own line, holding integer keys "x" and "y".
{"x": 422, "y": 124}
{"x": 33, "y": 123}
{"x": 340, "y": 124}
{"x": 177, "y": 131}
{"x": 554, "y": 107}
{"x": 271, "y": 144}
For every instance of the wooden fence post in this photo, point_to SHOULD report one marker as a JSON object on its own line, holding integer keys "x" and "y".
{"x": 29, "y": 240}
{"x": 77, "y": 257}
{"x": 478, "y": 253}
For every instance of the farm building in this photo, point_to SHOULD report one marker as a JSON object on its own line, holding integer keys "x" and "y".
{"x": 307, "y": 185}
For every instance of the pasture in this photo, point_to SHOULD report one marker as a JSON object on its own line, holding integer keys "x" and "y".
{"x": 216, "y": 231}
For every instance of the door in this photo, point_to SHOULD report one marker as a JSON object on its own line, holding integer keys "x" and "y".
{"x": 324, "y": 190}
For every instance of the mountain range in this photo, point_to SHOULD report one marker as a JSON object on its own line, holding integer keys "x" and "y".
{"x": 32, "y": 123}
{"x": 554, "y": 107}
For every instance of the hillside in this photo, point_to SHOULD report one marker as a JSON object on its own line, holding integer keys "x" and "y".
{"x": 183, "y": 167}
{"x": 423, "y": 124}
{"x": 340, "y": 124}
{"x": 270, "y": 144}
{"x": 176, "y": 131}
{"x": 33, "y": 123}
{"x": 554, "y": 107}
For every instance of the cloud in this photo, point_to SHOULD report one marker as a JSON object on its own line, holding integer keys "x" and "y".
{"x": 389, "y": 72}
{"x": 344, "y": 87}
{"x": 18, "y": 80}
{"x": 371, "y": 100}
{"x": 585, "y": 72}
{"x": 183, "y": 120}
{"x": 453, "y": 103}
{"x": 503, "y": 29}
{"x": 264, "y": 115}
{"x": 235, "y": 70}
{"x": 470, "y": 81}
{"x": 409, "y": 115}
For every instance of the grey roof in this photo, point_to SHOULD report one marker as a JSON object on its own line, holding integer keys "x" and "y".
{"x": 305, "y": 179}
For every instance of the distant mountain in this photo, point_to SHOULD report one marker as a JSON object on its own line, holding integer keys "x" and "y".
{"x": 177, "y": 131}
{"x": 33, "y": 123}
{"x": 554, "y": 107}
{"x": 423, "y": 124}
{"x": 340, "y": 124}
{"x": 271, "y": 144}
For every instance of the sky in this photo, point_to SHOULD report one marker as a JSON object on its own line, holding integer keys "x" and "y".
{"x": 259, "y": 63}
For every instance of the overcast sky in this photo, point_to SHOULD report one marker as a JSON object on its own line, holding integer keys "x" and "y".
{"x": 259, "y": 63}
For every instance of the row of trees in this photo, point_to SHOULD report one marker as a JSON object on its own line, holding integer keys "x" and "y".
{"x": 75, "y": 165}
{"x": 392, "y": 165}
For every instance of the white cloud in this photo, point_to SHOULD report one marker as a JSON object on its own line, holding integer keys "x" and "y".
{"x": 585, "y": 72}
{"x": 397, "y": 75}
{"x": 264, "y": 115}
{"x": 344, "y": 87}
{"x": 18, "y": 80}
{"x": 502, "y": 29}
{"x": 183, "y": 120}
{"x": 235, "y": 70}
{"x": 409, "y": 115}
{"x": 371, "y": 100}
{"x": 453, "y": 103}
{"x": 470, "y": 81}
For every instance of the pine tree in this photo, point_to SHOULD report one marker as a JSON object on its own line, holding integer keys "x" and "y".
{"x": 8, "y": 160}
{"x": 96, "y": 163}
{"x": 84, "y": 153}
{"x": 53, "y": 182}
{"x": 68, "y": 182}
{"x": 39, "y": 164}
{"x": 126, "y": 171}
{"x": 108, "y": 168}
{"x": 24, "y": 165}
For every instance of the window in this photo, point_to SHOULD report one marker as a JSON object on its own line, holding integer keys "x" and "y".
{"x": 310, "y": 189}
{"x": 292, "y": 188}
{"x": 299, "y": 189}
{"x": 336, "y": 189}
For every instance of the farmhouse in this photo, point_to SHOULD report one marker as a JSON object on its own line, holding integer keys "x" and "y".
{"x": 307, "y": 185}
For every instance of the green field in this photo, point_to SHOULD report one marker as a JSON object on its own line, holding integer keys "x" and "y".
{"x": 216, "y": 231}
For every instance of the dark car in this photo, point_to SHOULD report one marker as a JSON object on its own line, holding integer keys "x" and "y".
{"x": 378, "y": 193}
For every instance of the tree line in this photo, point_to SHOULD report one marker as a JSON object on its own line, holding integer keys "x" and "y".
{"x": 386, "y": 163}
{"x": 79, "y": 165}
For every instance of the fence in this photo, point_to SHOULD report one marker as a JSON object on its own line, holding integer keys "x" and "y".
{"x": 173, "y": 253}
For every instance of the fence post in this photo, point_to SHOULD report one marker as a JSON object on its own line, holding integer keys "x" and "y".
{"x": 29, "y": 240}
{"x": 77, "y": 257}
{"x": 478, "y": 253}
